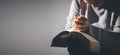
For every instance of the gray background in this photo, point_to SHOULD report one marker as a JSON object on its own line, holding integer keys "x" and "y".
{"x": 28, "y": 26}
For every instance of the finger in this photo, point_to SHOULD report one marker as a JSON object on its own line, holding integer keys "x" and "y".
{"x": 76, "y": 17}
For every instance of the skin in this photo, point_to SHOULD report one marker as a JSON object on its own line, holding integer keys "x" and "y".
{"x": 81, "y": 27}
{"x": 88, "y": 1}
{"x": 80, "y": 23}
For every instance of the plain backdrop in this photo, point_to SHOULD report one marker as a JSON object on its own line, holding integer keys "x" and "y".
{"x": 28, "y": 26}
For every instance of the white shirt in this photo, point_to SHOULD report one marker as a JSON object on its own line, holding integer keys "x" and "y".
{"x": 98, "y": 17}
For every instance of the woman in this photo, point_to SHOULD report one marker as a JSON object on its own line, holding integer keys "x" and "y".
{"x": 104, "y": 22}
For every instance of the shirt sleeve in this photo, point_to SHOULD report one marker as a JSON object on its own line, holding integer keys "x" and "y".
{"x": 74, "y": 11}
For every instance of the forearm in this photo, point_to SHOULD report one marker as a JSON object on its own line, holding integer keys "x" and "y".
{"x": 74, "y": 11}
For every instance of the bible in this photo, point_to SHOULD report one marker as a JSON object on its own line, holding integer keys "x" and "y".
{"x": 63, "y": 38}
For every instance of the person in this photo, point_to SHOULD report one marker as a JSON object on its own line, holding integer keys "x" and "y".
{"x": 78, "y": 42}
{"x": 79, "y": 23}
{"x": 104, "y": 22}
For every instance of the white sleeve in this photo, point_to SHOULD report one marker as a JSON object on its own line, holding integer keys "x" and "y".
{"x": 74, "y": 11}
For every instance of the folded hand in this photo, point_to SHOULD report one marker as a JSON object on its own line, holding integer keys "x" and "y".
{"x": 80, "y": 23}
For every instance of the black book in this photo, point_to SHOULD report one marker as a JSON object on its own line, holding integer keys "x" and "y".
{"x": 64, "y": 38}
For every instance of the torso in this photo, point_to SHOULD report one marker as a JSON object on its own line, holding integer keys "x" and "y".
{"x": 104, "y": 19}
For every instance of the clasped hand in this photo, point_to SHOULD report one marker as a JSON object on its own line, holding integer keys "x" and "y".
{"x": 79, "y": 24}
